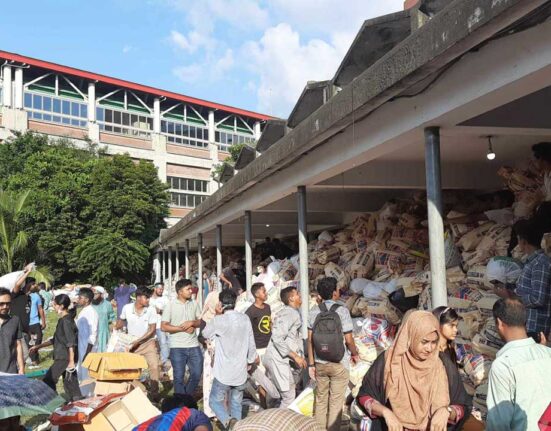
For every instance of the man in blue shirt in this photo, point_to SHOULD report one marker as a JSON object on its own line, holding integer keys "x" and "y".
{"x": 37, "y": 321}
{"x": 534, "y": 283}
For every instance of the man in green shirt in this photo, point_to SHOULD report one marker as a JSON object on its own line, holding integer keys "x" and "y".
{"x": 181, "y": 318}
{"x": 519, "y": 384}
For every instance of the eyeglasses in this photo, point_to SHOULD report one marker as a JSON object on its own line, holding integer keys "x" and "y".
{"x": 5, "y": 304}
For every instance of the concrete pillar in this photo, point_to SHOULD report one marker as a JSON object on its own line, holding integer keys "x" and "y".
{"x": 257, "y": 131}
{"x": 157, "y": 115}
{"x": 186, "y": 261}
{"x": 7, "y": 87}
{"x": 213, "y": 149}
{"x": 200, "y": 268}
{"x": 158, "y": 144}
{"x": 218, "y": 251}
{"x": 248, "y": 250}
{"x": 92, "y": 102}
{"x": 169, "y": 278}
{"x": 177, "y": 256}
{"x": 303, "y": 257}
{"x": 436, "y": 225}
{"x": 157, "y": 267}
{"x": 18, "y": 87}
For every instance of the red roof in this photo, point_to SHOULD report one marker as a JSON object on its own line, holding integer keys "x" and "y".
{"x": 127, "y": 84}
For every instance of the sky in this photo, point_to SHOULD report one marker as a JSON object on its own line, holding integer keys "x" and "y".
{"x": 256, "y": 55}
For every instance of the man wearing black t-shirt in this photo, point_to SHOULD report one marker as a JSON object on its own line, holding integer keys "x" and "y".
{"x": 21, "y": 305}
{"x": 261, "y": 318}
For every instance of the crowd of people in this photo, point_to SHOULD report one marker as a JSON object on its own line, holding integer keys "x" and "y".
{"x": 208, "y": 350}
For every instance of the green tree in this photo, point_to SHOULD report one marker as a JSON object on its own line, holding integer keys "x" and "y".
{"x": 79, "y": 196}
{"x": 13, "y": 239}
{"x": 108, "y": 255}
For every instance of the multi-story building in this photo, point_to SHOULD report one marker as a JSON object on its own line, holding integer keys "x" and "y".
{"x": 184, "y": 137}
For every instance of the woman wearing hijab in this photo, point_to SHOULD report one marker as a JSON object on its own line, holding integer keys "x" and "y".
{"x": 406, "y": 388}
{"x": 460, "y": 402}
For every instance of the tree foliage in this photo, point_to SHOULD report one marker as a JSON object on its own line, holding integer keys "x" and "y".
{"x": 81, "y": 201}
{"x": 13, "y": 239}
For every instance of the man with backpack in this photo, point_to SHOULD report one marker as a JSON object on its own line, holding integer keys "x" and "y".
{"x": 331, "y": 347}
{"x": 284, "y": 359}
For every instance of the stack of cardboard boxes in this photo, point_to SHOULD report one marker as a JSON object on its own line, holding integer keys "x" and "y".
{"x": 111, "y": 373}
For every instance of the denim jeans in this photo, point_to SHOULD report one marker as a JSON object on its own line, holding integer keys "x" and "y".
{"x": 164, "y": 346}
{"x": 191, "y": 357}
{"x": 217, "y": 401}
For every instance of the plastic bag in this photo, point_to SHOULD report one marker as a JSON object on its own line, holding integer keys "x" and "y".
{"x": 325, "y": 236}
{"x": 304, "y": 403}
{"x": 8, "y": 281}
{"x": 503, "y": 269}
{"x": 358, "y": 285}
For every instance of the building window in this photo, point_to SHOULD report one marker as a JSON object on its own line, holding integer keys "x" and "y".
{"x": 196, "y": 191}
{"x": 52, "y": 109}
{"x": 225, "y": 140}
{"x": 185, "y": 134}
{"x": 123, "y": 122}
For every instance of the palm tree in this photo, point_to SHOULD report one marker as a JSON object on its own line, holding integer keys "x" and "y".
{"x": 12, "y": 240}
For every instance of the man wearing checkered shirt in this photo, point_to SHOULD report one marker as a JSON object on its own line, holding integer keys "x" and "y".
{"x": 534, "y": 283}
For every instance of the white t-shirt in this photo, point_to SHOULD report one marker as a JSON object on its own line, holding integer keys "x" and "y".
{"x": 158, "y": 304}
{"x": 138, "y": 325}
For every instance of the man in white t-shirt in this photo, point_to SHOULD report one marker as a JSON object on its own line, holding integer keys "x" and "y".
{"x": 141, "y": 321}
{"x": 158, "y": 301}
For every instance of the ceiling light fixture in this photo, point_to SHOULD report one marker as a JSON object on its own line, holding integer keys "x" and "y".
{"x": 490, "y": 155}
{"x": 267, "y": 225}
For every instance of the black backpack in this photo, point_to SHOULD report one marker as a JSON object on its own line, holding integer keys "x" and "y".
{"x": 327, "y": 336}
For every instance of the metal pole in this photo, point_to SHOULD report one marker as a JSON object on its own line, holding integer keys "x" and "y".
{"x": 162, "y": 253}
{"x": 169, "y": 268}
{"x": 177, "y": 255}
{"x": 248, "y": 250}
{"x": 218, "y": 252}
{"x": 436, "y": 225}
{"x": 186, "y": 261}
{"x": 200, "y": 268}
{"x": 303, "y": 258}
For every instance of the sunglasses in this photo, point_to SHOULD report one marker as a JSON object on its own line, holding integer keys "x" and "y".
{"x": 5, "y": 304}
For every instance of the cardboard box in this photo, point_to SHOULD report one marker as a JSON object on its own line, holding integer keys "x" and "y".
{"x": 106, "y": 388}
{"x": 114, "y": 366}
{"x": 122, "y": 415}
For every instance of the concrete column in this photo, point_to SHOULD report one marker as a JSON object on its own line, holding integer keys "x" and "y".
{"x": 157, "y": 115}
{"x": 7, "y": 87}
{"x": 169, "y": 278}
{"x": 200, "y": 268}
{"x": 436, "y": 225}
{"x": 213, "y": 149}
{"x": 162, "y": 255}
{"x": 157, "y": 267}
{"x": 18, "y": 84}
{"x": 248, "y": 250}
{"x": 93, "y": 126}
{"x": 303, "y": 257}
{"x": 257, "y": 131}
{"x": 92, "y": 102}
{"x": 218, "y": 251}
{"x": 177, "y": 256}
{"x": 186, "y": 261}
